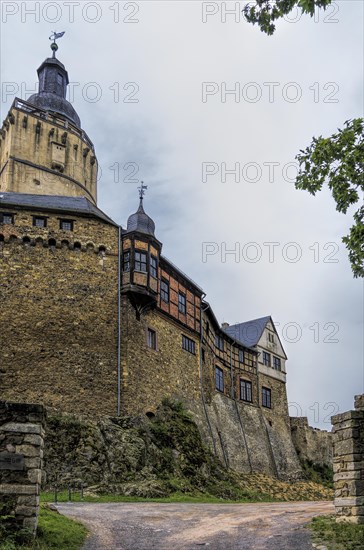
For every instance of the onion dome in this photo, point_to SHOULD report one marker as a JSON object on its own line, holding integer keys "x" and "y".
{"x": 51, "y": 96}
{"x": 140, "y": 221}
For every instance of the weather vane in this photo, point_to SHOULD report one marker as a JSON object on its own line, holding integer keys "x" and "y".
{"x": 142, "y": 189}
{"x": 54, "y": 36}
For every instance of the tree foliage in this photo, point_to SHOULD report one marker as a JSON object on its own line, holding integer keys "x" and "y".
{"x": 339, "y": 162}
{"x": 264, "y": 13}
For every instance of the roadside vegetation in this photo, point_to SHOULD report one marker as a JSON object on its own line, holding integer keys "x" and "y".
{"x": 54, "y": 532}
{"x": 337, "y": 536}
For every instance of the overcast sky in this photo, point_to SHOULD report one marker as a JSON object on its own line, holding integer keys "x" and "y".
{"x": 151, "y": 84}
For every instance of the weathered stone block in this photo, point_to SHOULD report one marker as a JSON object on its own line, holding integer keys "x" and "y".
{"x": 35, "y": 476}
{"x": 28, "y": 450}
{"x": 18, "y": 489}
{"x": 34, "y": 439}
{"x": 26, "y": 428}
{"x": 27, "y": 511}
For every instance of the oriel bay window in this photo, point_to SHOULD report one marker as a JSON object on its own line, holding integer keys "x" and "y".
{"x": 140, "y": 261}
{"x": 246, "y": 391}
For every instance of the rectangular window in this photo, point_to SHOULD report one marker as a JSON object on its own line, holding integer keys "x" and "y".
{"x": 126, "y": 261}
{"x": 140, "y": 261}
{"x": 277, "y": 363}
{"x": 60, "y": 79}
{"x": 7, "y": 218}
{"x": 246, "y": 391}
{"x": 188, "y": 344}
{"x": 181, "y": 302}
{"x": 219, "y": 341}
{"x": 164, "y": 290}
{"x": 153, "y": 266}
{"x": 266, "y": 398}
{"x": 219, "y": 377}
{"x": 241, "y": 356}
{"x": 152, "y": 338}
{"x": 266, "y": 359}
{"x": 203, "y": 355}
{"x": 271, "y": 338}
{"x": 39, "y": 221}
{"x": 66, "y": 225}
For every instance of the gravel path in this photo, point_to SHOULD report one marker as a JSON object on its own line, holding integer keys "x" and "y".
{"x": 154, "y": 526}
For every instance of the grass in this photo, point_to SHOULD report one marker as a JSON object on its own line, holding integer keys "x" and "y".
{"x": 176, "y": 497}
{"x": 337, "y": 536}
{"x": 54, "y": 532}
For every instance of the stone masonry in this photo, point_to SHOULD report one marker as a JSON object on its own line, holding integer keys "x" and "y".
{"x": 21, "y": 461}
{"x": 349, "y": 463}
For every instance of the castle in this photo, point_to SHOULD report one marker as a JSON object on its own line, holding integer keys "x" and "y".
{"x": 95, "y": 320}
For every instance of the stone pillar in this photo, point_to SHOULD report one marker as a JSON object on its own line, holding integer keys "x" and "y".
{"x": 349, "y": 463}
{"x": 21, "y": 460}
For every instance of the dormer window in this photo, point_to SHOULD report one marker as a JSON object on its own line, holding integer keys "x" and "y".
{"x": 140, "y": 261}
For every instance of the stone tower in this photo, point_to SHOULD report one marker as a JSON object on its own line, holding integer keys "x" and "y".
{"x": 43, "y": 149}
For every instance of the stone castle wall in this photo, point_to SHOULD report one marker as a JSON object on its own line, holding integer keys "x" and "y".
{"x": 58, "y": 326}
{"x": 312, "y": 445}
{"x": 21, "y": 462}
{"x": 349, "y": 464}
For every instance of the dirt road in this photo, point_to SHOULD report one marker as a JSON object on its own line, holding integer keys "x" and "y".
{"x": 154, "y": 526}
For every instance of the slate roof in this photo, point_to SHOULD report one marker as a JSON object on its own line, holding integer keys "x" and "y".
{"x": 250, "y": 332}
{"x": 140, "y": 221}
{"x": 70, "y": 205}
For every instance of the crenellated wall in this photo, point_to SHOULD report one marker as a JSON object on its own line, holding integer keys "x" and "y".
{"x": 58, "y": 323}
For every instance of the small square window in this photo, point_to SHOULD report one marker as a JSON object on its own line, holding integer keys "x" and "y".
{"x": 266, "y": 359}
{"x": 39, "y": 221}
{"x": 153, "y": 266}
{"x": 267, "y": 398}
{"x": 66, "y": 225}
{"x": 181, "y": 302}
{"x": 152, "y": 338}
{"x": 277, "y": 363}
{"x": 188, "y": 344}
{"x": 164, "y": 290}
{"x": 7, "y": 218}
{"x": 219, "y": 379}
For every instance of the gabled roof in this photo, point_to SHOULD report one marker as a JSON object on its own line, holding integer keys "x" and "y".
{"x": 250, "y": 332}
{"x": 68, "y": 205}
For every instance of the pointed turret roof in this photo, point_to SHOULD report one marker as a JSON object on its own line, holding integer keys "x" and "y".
{"x": 140, "y": 221}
